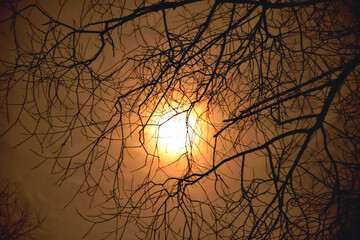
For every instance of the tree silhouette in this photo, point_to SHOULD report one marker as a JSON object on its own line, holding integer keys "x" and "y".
{"x": 268, "y": 92}
{"x": 16, "y": 221}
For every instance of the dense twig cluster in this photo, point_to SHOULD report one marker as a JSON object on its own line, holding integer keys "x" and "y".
{"x": 16, "y": 221}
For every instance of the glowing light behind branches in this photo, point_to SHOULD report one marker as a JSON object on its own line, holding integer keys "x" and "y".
{"x": 176, "y": 132}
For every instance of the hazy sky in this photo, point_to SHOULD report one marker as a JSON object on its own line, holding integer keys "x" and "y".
{"x": 39, "y": 188}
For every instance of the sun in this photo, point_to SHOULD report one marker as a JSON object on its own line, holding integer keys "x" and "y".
{"x": 175, "y": 132}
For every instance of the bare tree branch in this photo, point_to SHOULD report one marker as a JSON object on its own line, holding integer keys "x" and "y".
{"x": 265, "y": 95}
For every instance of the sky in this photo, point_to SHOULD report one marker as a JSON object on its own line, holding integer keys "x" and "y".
{"x": 37, "y": 187}
{"x": 50, "y": 199}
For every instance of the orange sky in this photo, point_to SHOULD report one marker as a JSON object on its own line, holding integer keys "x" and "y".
{"x": 39, "y": 187}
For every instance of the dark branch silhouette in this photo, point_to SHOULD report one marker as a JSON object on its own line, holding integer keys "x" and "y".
{"x": 268, "y": 92}
{"x": 16, "y": 221}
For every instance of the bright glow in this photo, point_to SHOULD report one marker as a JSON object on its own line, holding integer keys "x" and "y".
{"x": 175, "y": 133}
